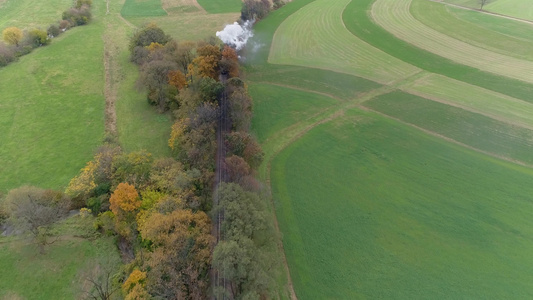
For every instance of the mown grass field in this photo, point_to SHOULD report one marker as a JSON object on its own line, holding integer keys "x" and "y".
{"x": 370, "y": 208}
{"x": 360, "y": 24}
{"x": 57, "y": 274}
{"x": 481, "y": 34}
{"x": 143, "y": 8}
{"x": 483, "y": 101}
{"x": 315, "y": 37}
{"x": 515, "y": 8}
{"x": 221, "y": 6}
{"x": 27, "y": 14}
{"x": 478, "y": 131}
{"x": 395, "y": 17}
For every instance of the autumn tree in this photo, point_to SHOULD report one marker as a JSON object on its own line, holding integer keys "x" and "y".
{"x": 148, "y": 35}
{"x": 135, "y": 286}
{"x": 206, "y": 64}
{"x": 124, "y": 200}
{"x": 229, "y": 64}
{"x": 180, "y": 247}
{"x": 133, "y": 168}
{"x": 244, "y": 145}
{"x": 177, "y": 79}
{"x": 7, "y": 54}
{"x": 12, "y": 35}
{"x": 36, "y": 210}
{"x": 255, "y": 9}
{"x": 240, "y": 109}
{"x": 154, "y": 76}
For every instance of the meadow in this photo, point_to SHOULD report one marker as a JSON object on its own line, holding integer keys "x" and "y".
{"x": 27, "y": 14}
{"x": 385, "y": 211}
{"x": 52, "y": 121}
{"x": 221, "y": 6}
{"x": 58, "y": 273}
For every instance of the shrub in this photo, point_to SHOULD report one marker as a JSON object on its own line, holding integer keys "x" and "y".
{"x": 53, "y": 31}
{"x": 7, "y": 54}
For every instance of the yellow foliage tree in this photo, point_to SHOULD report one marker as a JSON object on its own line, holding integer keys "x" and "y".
{"x": 154, "y": 46}
{"x": 124, "y": 199}
{"x": 84, "y": 183}
{"x": 176, "y": 133}
{"x": 12, "y": 35}
{"x": 134, "y": 286}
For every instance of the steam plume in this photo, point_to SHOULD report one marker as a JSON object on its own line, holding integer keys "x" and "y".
{"x": 236, "y": 35}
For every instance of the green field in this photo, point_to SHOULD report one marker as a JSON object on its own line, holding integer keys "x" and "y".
{"x": 395, "y": 17}
{"x": 315, "y": 37}
{"x": 515, "y": 8}
{"x": 26, "y": 274}
{"x": 27, "y": 14}
{"x": 142, "y": 8}
{"x": 221, "y": 6}
{"x": 477, "y": 32}
{"x": 475, "y": 130}
{"x": 406, "y": 203}
{"x": 394, "y": 213}
{"x": 279, "y": 107}
{"x": 52, "y": 115}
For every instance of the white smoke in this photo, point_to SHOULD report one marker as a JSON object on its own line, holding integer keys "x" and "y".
{"x": 236, "y": 35}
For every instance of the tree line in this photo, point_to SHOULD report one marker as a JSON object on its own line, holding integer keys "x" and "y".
{"x": 18, "y": 42}
{"x": 160, "y": 211}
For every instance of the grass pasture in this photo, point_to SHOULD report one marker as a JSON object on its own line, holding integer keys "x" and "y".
{"x": 27, "y": 14}
{"x": 56, "y": 274}
{"x": 395, "y": 17}
{"x": 439, "y": 17}
{"x": 370, "y": 208}
{"x": 52, "y": 110}
{"x": 143, "y": 8}
{"x": 279, "y": 107}
{"x": 475, "y": 130}
{"x": 315, "y": 36}
{"x": 221, "y": 6}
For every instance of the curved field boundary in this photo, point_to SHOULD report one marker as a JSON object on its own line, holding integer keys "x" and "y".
{"x": 439, "y": 17}
{"x": 456, "y": 93}
{"x": 357, "y": 21}
{"x": 473, "y": 130}
{"x": 315, "y": 37}
{"x": 522, "y": 9}
{"x": 395, "y": 17}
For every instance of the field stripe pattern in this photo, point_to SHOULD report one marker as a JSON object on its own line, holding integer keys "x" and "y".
{"x": 316, "y": 37}
{"x": 395, "y": 17}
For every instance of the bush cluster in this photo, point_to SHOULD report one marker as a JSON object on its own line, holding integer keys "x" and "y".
{"x": 18, "y": 43}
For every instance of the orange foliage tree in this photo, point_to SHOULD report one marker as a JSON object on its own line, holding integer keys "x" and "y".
{"x": 124, "y": 199}
{"x": 180, "y": 256}
{"x": 177, "y": 79}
